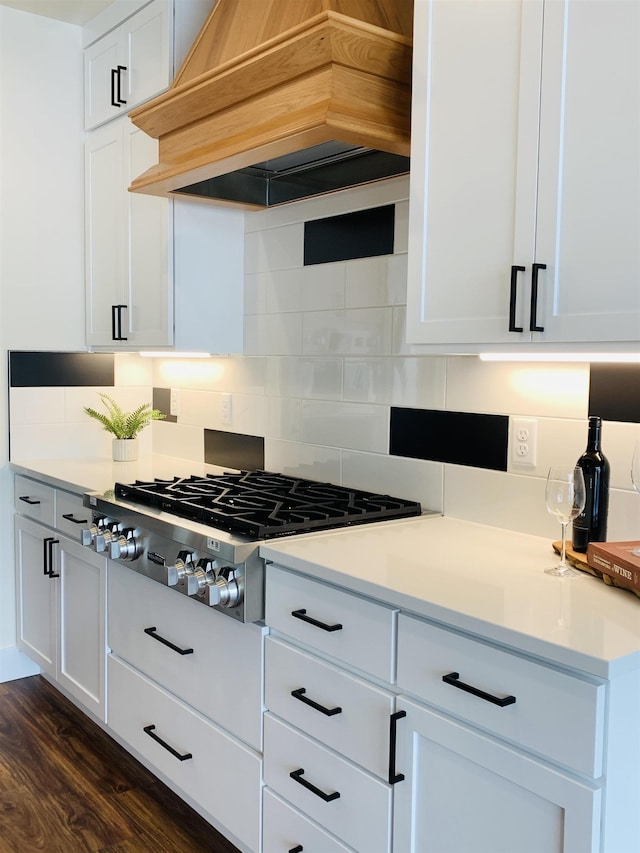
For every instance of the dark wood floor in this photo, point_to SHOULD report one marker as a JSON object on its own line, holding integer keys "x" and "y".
{"x": 66, "y": 786}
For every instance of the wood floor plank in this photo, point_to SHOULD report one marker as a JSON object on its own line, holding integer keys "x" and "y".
{"x": 67, "y": 787}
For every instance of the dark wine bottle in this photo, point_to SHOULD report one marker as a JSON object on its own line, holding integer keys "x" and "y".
{"x": 591, "y": 524}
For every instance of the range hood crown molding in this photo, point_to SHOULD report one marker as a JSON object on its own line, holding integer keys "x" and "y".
{"x": 332, "y": 84}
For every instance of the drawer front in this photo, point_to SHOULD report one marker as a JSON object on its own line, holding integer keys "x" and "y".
{"x": 353, "y": 717}
{"x": 221, "y": 774}
{"x": 35, "y": 500}
{"x": 285, "y": 828}
{"x": 554, "y": 714}
{"x": 71, "y": 515}
{"x": 221, "y": 677}
{"x": 358, "y": 632}
{"x": 361, "y": 814}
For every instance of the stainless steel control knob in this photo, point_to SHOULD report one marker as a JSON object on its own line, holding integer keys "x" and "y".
{"x": 176, "y": 573}
{"x": 222, "y": 592}
{"x": 124, "y": 546}
{"x": 88, "y": 534}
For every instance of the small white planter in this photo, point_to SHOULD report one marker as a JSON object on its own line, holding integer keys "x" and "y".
{"x": 125, "y": 449}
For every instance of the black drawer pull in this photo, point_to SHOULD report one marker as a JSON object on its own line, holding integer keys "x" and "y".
{"x": 297, "y": 849}
{"x": 152, "y": 633}
{"x": 181, "y": 757}
{"x": 302, "y": 614}
{"x": 69, "y": 517}
{"x": 453, "y": 679}
{"x": 297, "y": 775}
{"x": 329, "y": 712}
{"x": 393, "y": 724}
{"x": 28, "y": 500}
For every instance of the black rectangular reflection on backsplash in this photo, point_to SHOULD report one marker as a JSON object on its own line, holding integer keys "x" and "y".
{"x": 60, "y": 369}
{"x": 233, "y": 450}
{"x": 363, "y": 234}
{"x": 162, "y": 401}
{"x": 614, "y": 392}
{"x": 461, "y": 438}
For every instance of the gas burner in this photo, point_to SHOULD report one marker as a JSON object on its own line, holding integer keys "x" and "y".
{"x": 262, "y": 504}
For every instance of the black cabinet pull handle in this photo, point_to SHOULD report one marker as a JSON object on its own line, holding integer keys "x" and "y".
{"x": 48, "y": 544}
{"x": 302, "y": 614}
{"x": 453, "y": 678}
{"x": 393, "y": 725}
{"x": 329, "y": 712}
{"x": 119, "y": 97}
{"x": 46, "y": 554}
{"x": 533, "y": 322}
{"x": 297, "y": 776}
{"x": 28, "y": 500}
{"x": 152, "y": 633}
{"x": 513, "y": 298}
{"x": 297, "y": 849}
{"x": 116, "y": 322}
{"x": 69, "y": 517}
{"x": 181, "y": 757}
{"x": 114, "y": 77}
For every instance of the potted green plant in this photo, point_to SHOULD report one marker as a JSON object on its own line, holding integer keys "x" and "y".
{"x": 125, "y": 426}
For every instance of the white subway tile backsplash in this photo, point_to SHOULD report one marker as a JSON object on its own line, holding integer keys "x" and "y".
{"x": 313, "y": 288}
{"x": 130, "y": 369}
{"x": 284, "y": 419}
{"x": 544, "y": 390}
{"x": 255, "y": 292}
{"x": 401, "y": 236}
{"x": 273, "y": 334}
{"x": 413, "y": 382}
{"x": 499, "y": 499}
{"x": 185, "y": 442}
{"x": 313, "y": 378}
{"x": 36, "y": 405}
{"x": 412, "y": 479}
{"x": 274, "y": 249}
{"x": 303, "y": 460}
{"x": 359, "y": 331}
{"x": 378, "y": 281}
{"x": 355, "y": 426}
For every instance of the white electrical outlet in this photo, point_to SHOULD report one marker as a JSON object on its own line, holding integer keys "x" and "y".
{"x": 174, "y": 402}
{"x": 523, "y": 441}
{"x": 226, "y": 411}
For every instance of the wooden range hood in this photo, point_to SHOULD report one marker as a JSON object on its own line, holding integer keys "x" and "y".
{"x": 285, "y": 99}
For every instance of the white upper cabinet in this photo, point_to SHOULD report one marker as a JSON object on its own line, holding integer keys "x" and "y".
{"x": 129, "y": 64}
{"x": 525, "y": 186}
{"x": 128, "y": 248}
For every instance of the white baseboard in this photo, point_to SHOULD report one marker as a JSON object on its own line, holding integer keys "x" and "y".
{"x": 14, "y": 664}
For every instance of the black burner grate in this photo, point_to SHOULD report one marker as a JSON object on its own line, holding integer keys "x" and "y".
{"x": 262, "y": 504}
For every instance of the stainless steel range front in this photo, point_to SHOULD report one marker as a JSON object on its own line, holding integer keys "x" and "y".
{"x": 200, "y": 535}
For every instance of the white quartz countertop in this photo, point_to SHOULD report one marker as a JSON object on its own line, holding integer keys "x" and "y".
{"x": 100, "y": 475}
{"x": 483, "y": 580}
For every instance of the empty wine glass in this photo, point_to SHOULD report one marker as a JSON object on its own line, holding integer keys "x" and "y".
{"x": 565, "y": 497}
{"x": 635, "y": 479}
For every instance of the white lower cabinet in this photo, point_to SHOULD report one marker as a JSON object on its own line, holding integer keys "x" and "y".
{"x": 329, "y": 665}
{"x": 465, "y": 792}
{"x": 61, "y": 595}
{"x": 214, "y": 769}
{"x": 286, "y": 829}
{"x": 185, "y": 693}
{"x": 348, "y": 802}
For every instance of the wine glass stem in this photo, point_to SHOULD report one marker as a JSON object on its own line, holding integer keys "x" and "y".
{"x": 563, "y": 556}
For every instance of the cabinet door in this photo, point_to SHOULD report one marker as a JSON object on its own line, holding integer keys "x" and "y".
{"x": 146, "y": 40}
{"x": 466, "y": 793}
{"x": 36, "y": 594}
{"x": 473, "y": 168}
{"x": 82, "y": 634}
{"x": 588, "y": 231}
{"x": 149, "y": 318}
{"x": 101, "y": 61}
{"x": 104, "y": 232}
